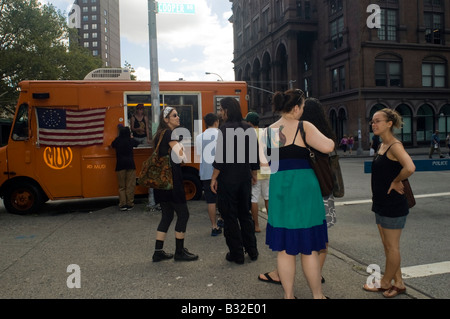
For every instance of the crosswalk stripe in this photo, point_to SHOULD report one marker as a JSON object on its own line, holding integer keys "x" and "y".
{"x": 426, "y": 270}
{"x": 366, "y": 201}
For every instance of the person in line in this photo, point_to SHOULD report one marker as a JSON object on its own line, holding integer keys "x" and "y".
{"x": 140, "y": 125}
{"x": 125, "y": 167}
{"x": 232, "y": 180}
{"x": 296, "y": 221}
{"x": 173, "y": 200}
{"x": 435, "y": 145}
{"x": 205, "y": 146}
{"x": 314, "y": 113}
{"x": 261, "y": 188}
{"x": 389, "y": 168}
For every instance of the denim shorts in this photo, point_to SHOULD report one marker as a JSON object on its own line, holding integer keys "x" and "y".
{"x": 391, "y": 222}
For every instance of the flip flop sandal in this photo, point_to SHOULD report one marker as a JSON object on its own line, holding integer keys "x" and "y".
{"x": 374, "y": 289}
{"x": 269, "y": 279}
{"x": 397, "y": 291}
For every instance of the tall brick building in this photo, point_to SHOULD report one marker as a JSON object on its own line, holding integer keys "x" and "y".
{"x": 339, "y": 52}
{"x": 98, "y": 24}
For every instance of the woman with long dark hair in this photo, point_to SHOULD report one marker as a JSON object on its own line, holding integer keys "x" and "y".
{"x": 232, "y": 180}
{"x": 173, "y": 200}
{"x": 297, "y": 222}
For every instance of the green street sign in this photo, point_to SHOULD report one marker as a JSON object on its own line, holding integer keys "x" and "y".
{"x": 176, "y": 8}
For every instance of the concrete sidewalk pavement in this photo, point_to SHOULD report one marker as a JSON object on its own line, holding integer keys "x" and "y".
{"x": 114, "y": 250}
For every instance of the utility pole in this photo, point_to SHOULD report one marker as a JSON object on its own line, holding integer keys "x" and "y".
{"x": 154, "y": 75}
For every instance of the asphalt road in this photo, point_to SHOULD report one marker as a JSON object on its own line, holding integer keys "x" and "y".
{"x": 112, "y": 250}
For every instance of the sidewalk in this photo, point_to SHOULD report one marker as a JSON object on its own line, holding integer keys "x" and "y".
{"x": 114, "y": 252}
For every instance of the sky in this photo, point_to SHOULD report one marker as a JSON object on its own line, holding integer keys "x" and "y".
{"x": 188, "y": 44}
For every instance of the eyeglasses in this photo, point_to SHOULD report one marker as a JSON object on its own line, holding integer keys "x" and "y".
{"x": 376, "y": 122}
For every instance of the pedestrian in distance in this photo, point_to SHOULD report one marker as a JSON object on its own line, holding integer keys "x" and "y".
{"x": 205, "y": 147}
{"x": 125, "y": 167}
{"x": 435, "y": 145}
{"x": 350, "y": 143}
{"x": 313, "y": 112}
{"x": 261, "y": 188}
{"x": 447, "y": 141}
{"x": 296, "y": 221}
{"x": 374, "y": 145}
{"x": 344, "y": 144}
{"x": 390, "y": 167}
{"x": 173, "y": 200}
{"x": 235, "y": 169}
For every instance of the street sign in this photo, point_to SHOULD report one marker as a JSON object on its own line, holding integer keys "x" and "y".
{"x": 176, "y": 8}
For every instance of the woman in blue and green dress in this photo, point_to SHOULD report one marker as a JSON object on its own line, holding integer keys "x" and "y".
{"x": 297, "y": 222}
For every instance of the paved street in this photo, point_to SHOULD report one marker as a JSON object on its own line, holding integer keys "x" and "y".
{"x": 113, "y": 250}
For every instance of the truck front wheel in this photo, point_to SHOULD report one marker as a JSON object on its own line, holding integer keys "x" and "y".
{"x": 24, "y": 198}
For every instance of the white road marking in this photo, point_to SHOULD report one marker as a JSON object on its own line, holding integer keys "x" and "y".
{"x": 426, "y": 270}
{"x": 366, "y": 201}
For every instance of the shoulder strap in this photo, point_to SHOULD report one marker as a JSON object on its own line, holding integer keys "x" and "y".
{"x": 160, "y": 139}
{"x": 391, "y": 146}
{"x": 302, "y": 133}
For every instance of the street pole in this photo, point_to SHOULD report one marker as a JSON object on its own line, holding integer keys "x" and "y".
{"x": 154, "y": 75}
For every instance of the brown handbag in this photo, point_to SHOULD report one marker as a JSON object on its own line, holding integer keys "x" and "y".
{"x": 156, "y": 170}
{"x": 320, "y": 163}
{"x": 408, "y": 193}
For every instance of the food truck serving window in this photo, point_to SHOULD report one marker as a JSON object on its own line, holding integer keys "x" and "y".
{"x": 139, "y": 112}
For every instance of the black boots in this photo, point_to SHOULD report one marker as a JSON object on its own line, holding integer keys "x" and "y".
{"x": 185, "y": 255}
{"x": 181, "y": 253}
{"x": 159, "y": 255}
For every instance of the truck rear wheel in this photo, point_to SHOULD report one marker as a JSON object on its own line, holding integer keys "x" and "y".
{"x": 192, "y": 187}
{"x": 23, "y": 198}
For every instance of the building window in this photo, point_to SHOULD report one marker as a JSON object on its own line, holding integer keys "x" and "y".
{"x": 337, "y": 30}
{"x": 433, "y": 28}
{"x": 388, "y": 30}
{"x": 94, "y": 26}
{"x": 85, "y": 18}
{"x": 338, "y": 79}
{"x": 95, "y": 35}
{"x": 388, "y": 73}
{"x": 85, "y": 35}
{"x": 433, "y": 74}
{"x": 335, "y": 6}
{"x": 86, "y": 44}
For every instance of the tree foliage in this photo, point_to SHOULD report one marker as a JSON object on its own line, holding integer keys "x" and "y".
{"x": 34, "y": 45}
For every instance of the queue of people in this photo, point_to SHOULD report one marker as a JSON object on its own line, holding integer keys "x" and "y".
{"x": 299, "y": 216}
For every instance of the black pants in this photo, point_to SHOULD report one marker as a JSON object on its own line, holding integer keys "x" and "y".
{"x": 233, "y": 202}
{"x": 167, "y": 214}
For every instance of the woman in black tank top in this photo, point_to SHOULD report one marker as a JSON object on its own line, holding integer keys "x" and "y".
{"x": 390, "y": 167}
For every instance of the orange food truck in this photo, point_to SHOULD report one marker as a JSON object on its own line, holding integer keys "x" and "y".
{"x": 60, "y": 141}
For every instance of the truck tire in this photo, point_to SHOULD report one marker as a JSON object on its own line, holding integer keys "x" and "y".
{"x": 23, "y": 198}
{"x": 192, "y": 186}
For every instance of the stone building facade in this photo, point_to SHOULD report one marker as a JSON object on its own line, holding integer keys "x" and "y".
{"x": 356, "y": 56}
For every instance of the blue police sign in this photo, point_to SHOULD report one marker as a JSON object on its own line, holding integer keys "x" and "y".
{"x": 421, "y": 165}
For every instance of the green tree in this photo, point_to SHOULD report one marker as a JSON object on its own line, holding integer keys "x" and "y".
{"x": 34, "y": 45}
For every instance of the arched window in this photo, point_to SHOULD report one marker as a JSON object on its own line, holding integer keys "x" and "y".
{"x": 425, "y": 123}
{"x": 405, "y": 132}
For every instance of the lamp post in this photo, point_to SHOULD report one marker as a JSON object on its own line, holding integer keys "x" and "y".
{"x": 208, "y": 73}
{"x": 154, "y": 75}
